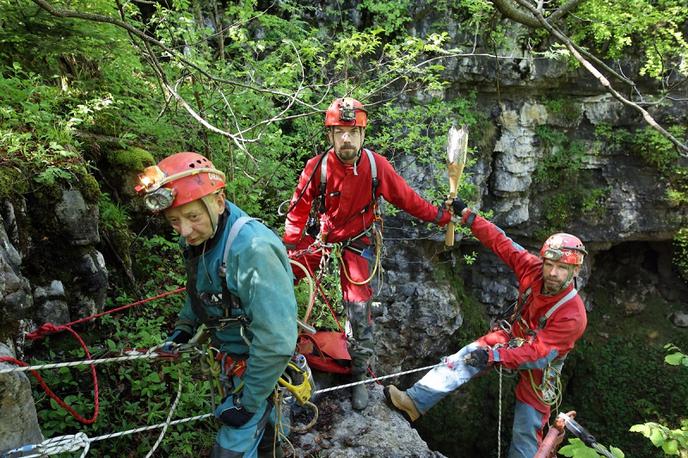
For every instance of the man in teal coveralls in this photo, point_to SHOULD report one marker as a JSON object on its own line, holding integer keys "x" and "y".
{"x": 240, "y": 285}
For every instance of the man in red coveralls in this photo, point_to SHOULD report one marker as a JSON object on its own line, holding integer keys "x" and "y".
{"x": 548, "y": 319}
{"x": 335, "y": 201}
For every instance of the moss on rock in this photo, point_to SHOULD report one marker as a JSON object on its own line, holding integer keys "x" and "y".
{"x": 130, "y": 159}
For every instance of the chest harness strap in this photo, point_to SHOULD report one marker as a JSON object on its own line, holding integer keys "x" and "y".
{"x": 319, "y": 207}
{"x": 230, "y": 303}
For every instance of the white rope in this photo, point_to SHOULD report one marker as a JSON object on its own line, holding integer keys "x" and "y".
{"x": 151, "y": 427}
{"x": 169, "y": 415}
{"x": 53, "y": 446}
{"x": 81, "y": 440}
{"x": 133, "y": 355}
{"x": 375, "y": 379}
{"x": 499, "y": 421}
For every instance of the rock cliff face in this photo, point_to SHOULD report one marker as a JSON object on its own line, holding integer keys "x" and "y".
{"x": 31, "y": 296}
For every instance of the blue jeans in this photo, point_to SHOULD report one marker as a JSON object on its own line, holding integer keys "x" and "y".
{"x": 442, "y": 380}
{"x": 524, "y": 433}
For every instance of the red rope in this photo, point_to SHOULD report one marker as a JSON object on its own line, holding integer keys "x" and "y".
{"x": 324, "y": 296}
{"x": 50, "y": 328}
{"x": 49, "y": 392}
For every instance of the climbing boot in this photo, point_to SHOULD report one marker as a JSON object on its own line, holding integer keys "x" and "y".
{"x": 359, "y": 395}
{"x": 402, "y": 402}
{"x": 268, "y": 447}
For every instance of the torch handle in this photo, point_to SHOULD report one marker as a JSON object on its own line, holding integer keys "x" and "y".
{"x": 455, "y": 171}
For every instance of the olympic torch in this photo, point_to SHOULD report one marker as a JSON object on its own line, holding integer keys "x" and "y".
{"x": 457, "y": 148}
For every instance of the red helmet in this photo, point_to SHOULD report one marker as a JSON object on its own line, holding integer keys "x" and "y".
{"x": 179, "y": 179}
{"x": 564, "y": 248}
{"x": 346, "y": 112}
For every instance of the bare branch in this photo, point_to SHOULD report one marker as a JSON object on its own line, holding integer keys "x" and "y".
{"x": 510, "y": 10}
{"x": 601, "y": 78}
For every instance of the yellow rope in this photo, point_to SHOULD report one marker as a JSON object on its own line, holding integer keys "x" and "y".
{"x": 376, "y": 264}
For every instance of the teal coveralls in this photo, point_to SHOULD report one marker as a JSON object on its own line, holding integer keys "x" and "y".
{"x": 259, "y": 278}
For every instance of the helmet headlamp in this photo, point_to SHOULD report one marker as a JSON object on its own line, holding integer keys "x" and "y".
{"x": 553, "y": 254}
{"x": 151, "y": 179}
{"x": 347, "y": 112}
{"x": 159, "y": 199}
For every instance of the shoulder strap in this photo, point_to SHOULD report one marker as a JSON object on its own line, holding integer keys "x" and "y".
{"x": 373, "y": 170}
{"x": 233, "y": 233}
{"x": 560, "y": 302}
{"x": 323, "y": 178}
{"x": 323, "y": 182}
{"x": 517, "y": 306}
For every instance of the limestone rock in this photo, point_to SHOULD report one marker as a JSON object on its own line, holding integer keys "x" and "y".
{"x": 15, "y": 292}
{"x": 377, "y": 431}
{"x": 17, "y": 406}
{"x": 80, "y": 220}
{"x": 51, "y": 303}
{"x": 680, "y": 319}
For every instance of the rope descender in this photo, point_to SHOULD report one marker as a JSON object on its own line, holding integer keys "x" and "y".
{"x": 298, "y": 380}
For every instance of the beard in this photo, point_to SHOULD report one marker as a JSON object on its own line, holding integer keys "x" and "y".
{"x": 552, "y": 287}
{"x": 347, "y": 153}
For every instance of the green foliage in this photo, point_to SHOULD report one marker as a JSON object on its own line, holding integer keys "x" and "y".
{"x": 560, "y": 174}
{"x": 577, "y": 449}
{"x": 660, "y": 153}
{"x": 391, "y": 16}
{"x": 675, "y": 357}
{"x": 132, "y": 394}
{"x": 617, "y": 27}
{"x": 615, "y": 353}
{"x": 135, "y": 159}
{"x": 37, "y": 132}
{"x": 680, "y": 256}
{"x": 671, "y": 441}
{"x": 420, "y": 132}
{"x": 564, "y": 109}
{"x": 656, "y": 149}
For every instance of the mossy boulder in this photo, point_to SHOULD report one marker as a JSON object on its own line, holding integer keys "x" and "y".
{"x": 122, "y": 166}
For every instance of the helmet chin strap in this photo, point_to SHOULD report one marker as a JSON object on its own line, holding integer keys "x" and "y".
{"x": 213, "y": 213}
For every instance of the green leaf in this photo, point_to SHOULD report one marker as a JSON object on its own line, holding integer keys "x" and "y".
{"x": 616, "y": 452}
{"x": 675, "y": 359}
{"x": 657, "y": 437}
{"x": 670, "y": 447}
{"x": 644, "y": 429}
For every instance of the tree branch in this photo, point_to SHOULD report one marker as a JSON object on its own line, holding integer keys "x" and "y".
{"x": 508, "y": 9}
{"x": 600, "y": 77}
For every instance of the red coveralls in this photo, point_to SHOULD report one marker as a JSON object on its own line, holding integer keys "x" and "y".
{"x": 564, "y": 327}
{"x": 349, "y": 209}
{"x": 549, "y": 344}
{"x": 348, "y": 213}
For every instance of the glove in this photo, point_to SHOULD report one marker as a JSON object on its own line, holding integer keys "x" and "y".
{"x": 455, "y": 206}
{"x": 232, "y": 413}
{"x": 179, "y": 336}
{"x": 478, "y": 358}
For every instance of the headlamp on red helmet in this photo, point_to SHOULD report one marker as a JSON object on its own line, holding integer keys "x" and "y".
{"x": 564, "y": 248}
{"x": 177, "y": 180}
{"x": 346, "y": 112}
